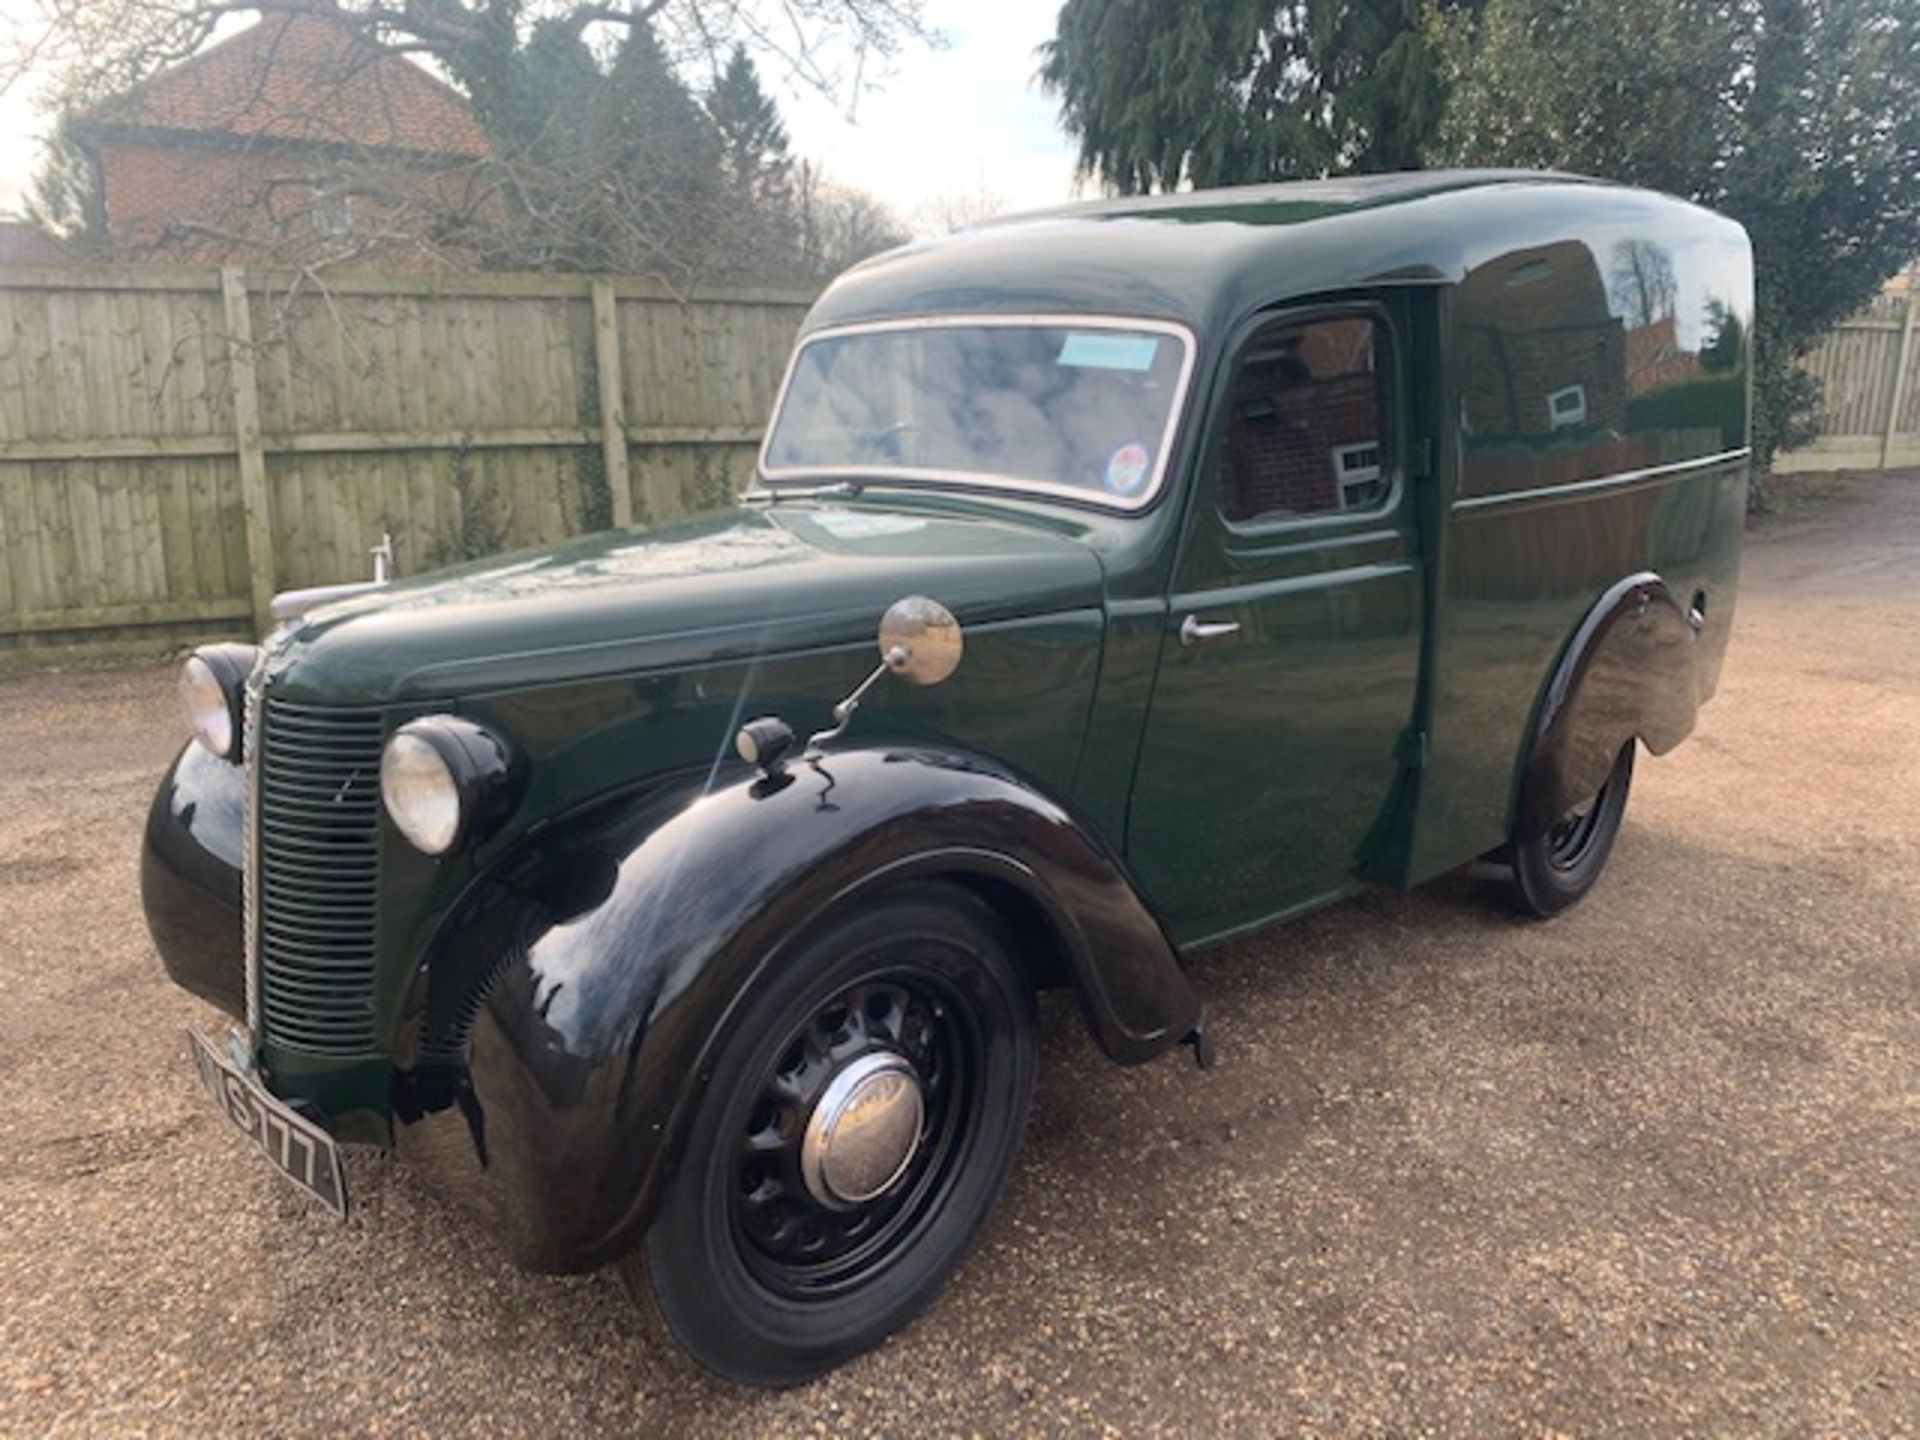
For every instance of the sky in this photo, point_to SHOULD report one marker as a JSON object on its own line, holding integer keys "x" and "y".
{"x": 964, "y": 123}
{"x": 21, "y": 125}
{"x": 964, "y": 126}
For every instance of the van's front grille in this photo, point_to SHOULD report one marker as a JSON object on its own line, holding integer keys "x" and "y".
{"x": 318, "y": 860}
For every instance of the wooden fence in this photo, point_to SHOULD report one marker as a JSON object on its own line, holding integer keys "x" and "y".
{"x": 1869, "y": 370}
{"x": 177, "y": 444}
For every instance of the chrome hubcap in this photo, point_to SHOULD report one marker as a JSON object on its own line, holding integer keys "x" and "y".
{"x": 862, "y": 1120}
{"x": 864, "y": 1130}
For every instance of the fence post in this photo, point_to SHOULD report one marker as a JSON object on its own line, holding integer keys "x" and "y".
{"x": 1900, "y": 376}
{"x": 255, "y": 496}
{"x": 613, "y": 404}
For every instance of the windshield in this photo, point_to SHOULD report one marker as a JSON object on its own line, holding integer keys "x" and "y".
{"x": 1074, "y": 406}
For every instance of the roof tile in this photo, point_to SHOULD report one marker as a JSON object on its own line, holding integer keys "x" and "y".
{"x": 303, "y": 78}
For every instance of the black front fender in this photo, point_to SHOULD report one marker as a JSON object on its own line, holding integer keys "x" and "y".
{"x": 190, "y": 863}
{"x": 567, "y": 1011}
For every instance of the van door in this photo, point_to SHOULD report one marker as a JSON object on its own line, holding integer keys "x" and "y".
{"x": 1289, "y": 672}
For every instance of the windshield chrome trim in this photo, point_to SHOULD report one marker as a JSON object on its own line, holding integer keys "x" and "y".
{"x": 776, "y": 480}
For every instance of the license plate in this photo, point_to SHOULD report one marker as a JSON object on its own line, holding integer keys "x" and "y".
{"x": 293, "y": 1144}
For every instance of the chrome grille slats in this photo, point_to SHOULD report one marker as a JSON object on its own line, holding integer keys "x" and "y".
{"x": 250, "y": 723}
{"x": 318, "y": 875}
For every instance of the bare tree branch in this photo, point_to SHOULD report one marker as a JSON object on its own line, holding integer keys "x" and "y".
{"x": 326, "y": 172}
{"x": 100, "y": 47}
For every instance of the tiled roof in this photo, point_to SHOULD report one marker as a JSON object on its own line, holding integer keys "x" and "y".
{"x": 302, "y": 77}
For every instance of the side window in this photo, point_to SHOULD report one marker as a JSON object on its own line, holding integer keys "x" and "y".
{"x": 1305, "y": 421}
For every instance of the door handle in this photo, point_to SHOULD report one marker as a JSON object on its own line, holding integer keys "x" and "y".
{"x": 1194, "y": 628}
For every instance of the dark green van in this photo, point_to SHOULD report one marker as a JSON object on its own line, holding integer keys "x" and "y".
{"x": 1227, "y": 552}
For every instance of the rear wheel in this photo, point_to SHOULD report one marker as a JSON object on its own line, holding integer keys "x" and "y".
{"x": 1555, "y": 869}
{"x": 857, "y": 1128}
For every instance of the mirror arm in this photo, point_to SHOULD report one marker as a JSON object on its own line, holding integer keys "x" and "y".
{"x": 843, "y": 712}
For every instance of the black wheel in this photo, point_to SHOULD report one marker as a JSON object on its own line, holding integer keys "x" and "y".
{"x": 858, "y": 1127}
{"x": 1555, "y": 869}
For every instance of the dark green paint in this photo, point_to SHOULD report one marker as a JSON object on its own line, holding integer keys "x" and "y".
{"x": 1282, "y": 735}
{"x": 1372, "y": 717}
{"x": 730, "y": 586}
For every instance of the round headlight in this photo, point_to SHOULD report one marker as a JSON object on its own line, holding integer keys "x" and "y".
{"x": 212, "y": 689}
{"x": 421, "y": 793}
{"x": 445, "y": 781}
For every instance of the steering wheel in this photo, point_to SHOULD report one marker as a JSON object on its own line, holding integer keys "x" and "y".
{"x": 886, "y": 440}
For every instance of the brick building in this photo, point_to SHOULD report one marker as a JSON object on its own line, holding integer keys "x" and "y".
{"x": 1543, "y": 352}
{"x": 1655, "y": 359}
{"x": 294, "y": 141}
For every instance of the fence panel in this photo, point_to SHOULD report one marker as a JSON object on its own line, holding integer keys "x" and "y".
{"x": 698, "y": 382}
{"x": 1855, "y": 370}
{"x": 1869, "y": 371}
{"x": 115, "y": 493}
{"x": 461, "y": 416}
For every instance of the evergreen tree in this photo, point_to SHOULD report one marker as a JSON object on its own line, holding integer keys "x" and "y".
{"x": 1799, "y": 118}
{"x": 612, "y": 165}
{"x": 65, "y": 200}
{"x": 533, "y": 99}
{"x": 651, "y": 126}
{"x": 1220, "y": 92}
{"x": 754, "y": 157}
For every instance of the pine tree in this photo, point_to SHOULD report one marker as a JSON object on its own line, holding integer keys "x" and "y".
{"x": 533, "y": 100}
{"x": 1222, "y": 92}
{"x": 614, "y": 164}
{"x": 657, "y": 160}
{"x": 651, "y": 124}
{"x": 754, "y": 157}
{"x": 65, "y": 200}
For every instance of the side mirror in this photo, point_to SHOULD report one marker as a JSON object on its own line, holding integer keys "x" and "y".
{"x": 920, "y": 639}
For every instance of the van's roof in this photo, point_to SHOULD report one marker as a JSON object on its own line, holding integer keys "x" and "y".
{"x": 1297, "y": 201}
{"x": 1205, "y": 256}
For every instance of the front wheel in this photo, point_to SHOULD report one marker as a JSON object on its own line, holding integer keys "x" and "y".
{"x": 1554, "y": 869}
{"x": 858, "y": 1126}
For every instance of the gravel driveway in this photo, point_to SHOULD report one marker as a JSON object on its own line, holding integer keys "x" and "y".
{"x": 1651, "y": 1169}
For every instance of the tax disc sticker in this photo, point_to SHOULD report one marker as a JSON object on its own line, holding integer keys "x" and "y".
{"x": 1127, "y": 470}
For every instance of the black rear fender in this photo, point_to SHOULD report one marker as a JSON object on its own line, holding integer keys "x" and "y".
{"x": 1629, "y": 672}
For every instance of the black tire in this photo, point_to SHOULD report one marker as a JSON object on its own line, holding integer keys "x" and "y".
{"x": 926, "y": 971}
{"x": 1555, "y": 870}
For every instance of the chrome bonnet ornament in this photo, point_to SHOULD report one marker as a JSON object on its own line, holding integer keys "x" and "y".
{"x": 290, "y": 605}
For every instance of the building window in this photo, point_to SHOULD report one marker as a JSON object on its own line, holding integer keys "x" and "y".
{"x": 332, "y": 213}
{"x": 1567, "y": 407}
{"x": 1357, "y": 469}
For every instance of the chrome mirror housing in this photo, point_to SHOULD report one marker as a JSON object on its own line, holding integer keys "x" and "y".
{"x": 920, "y": 640}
